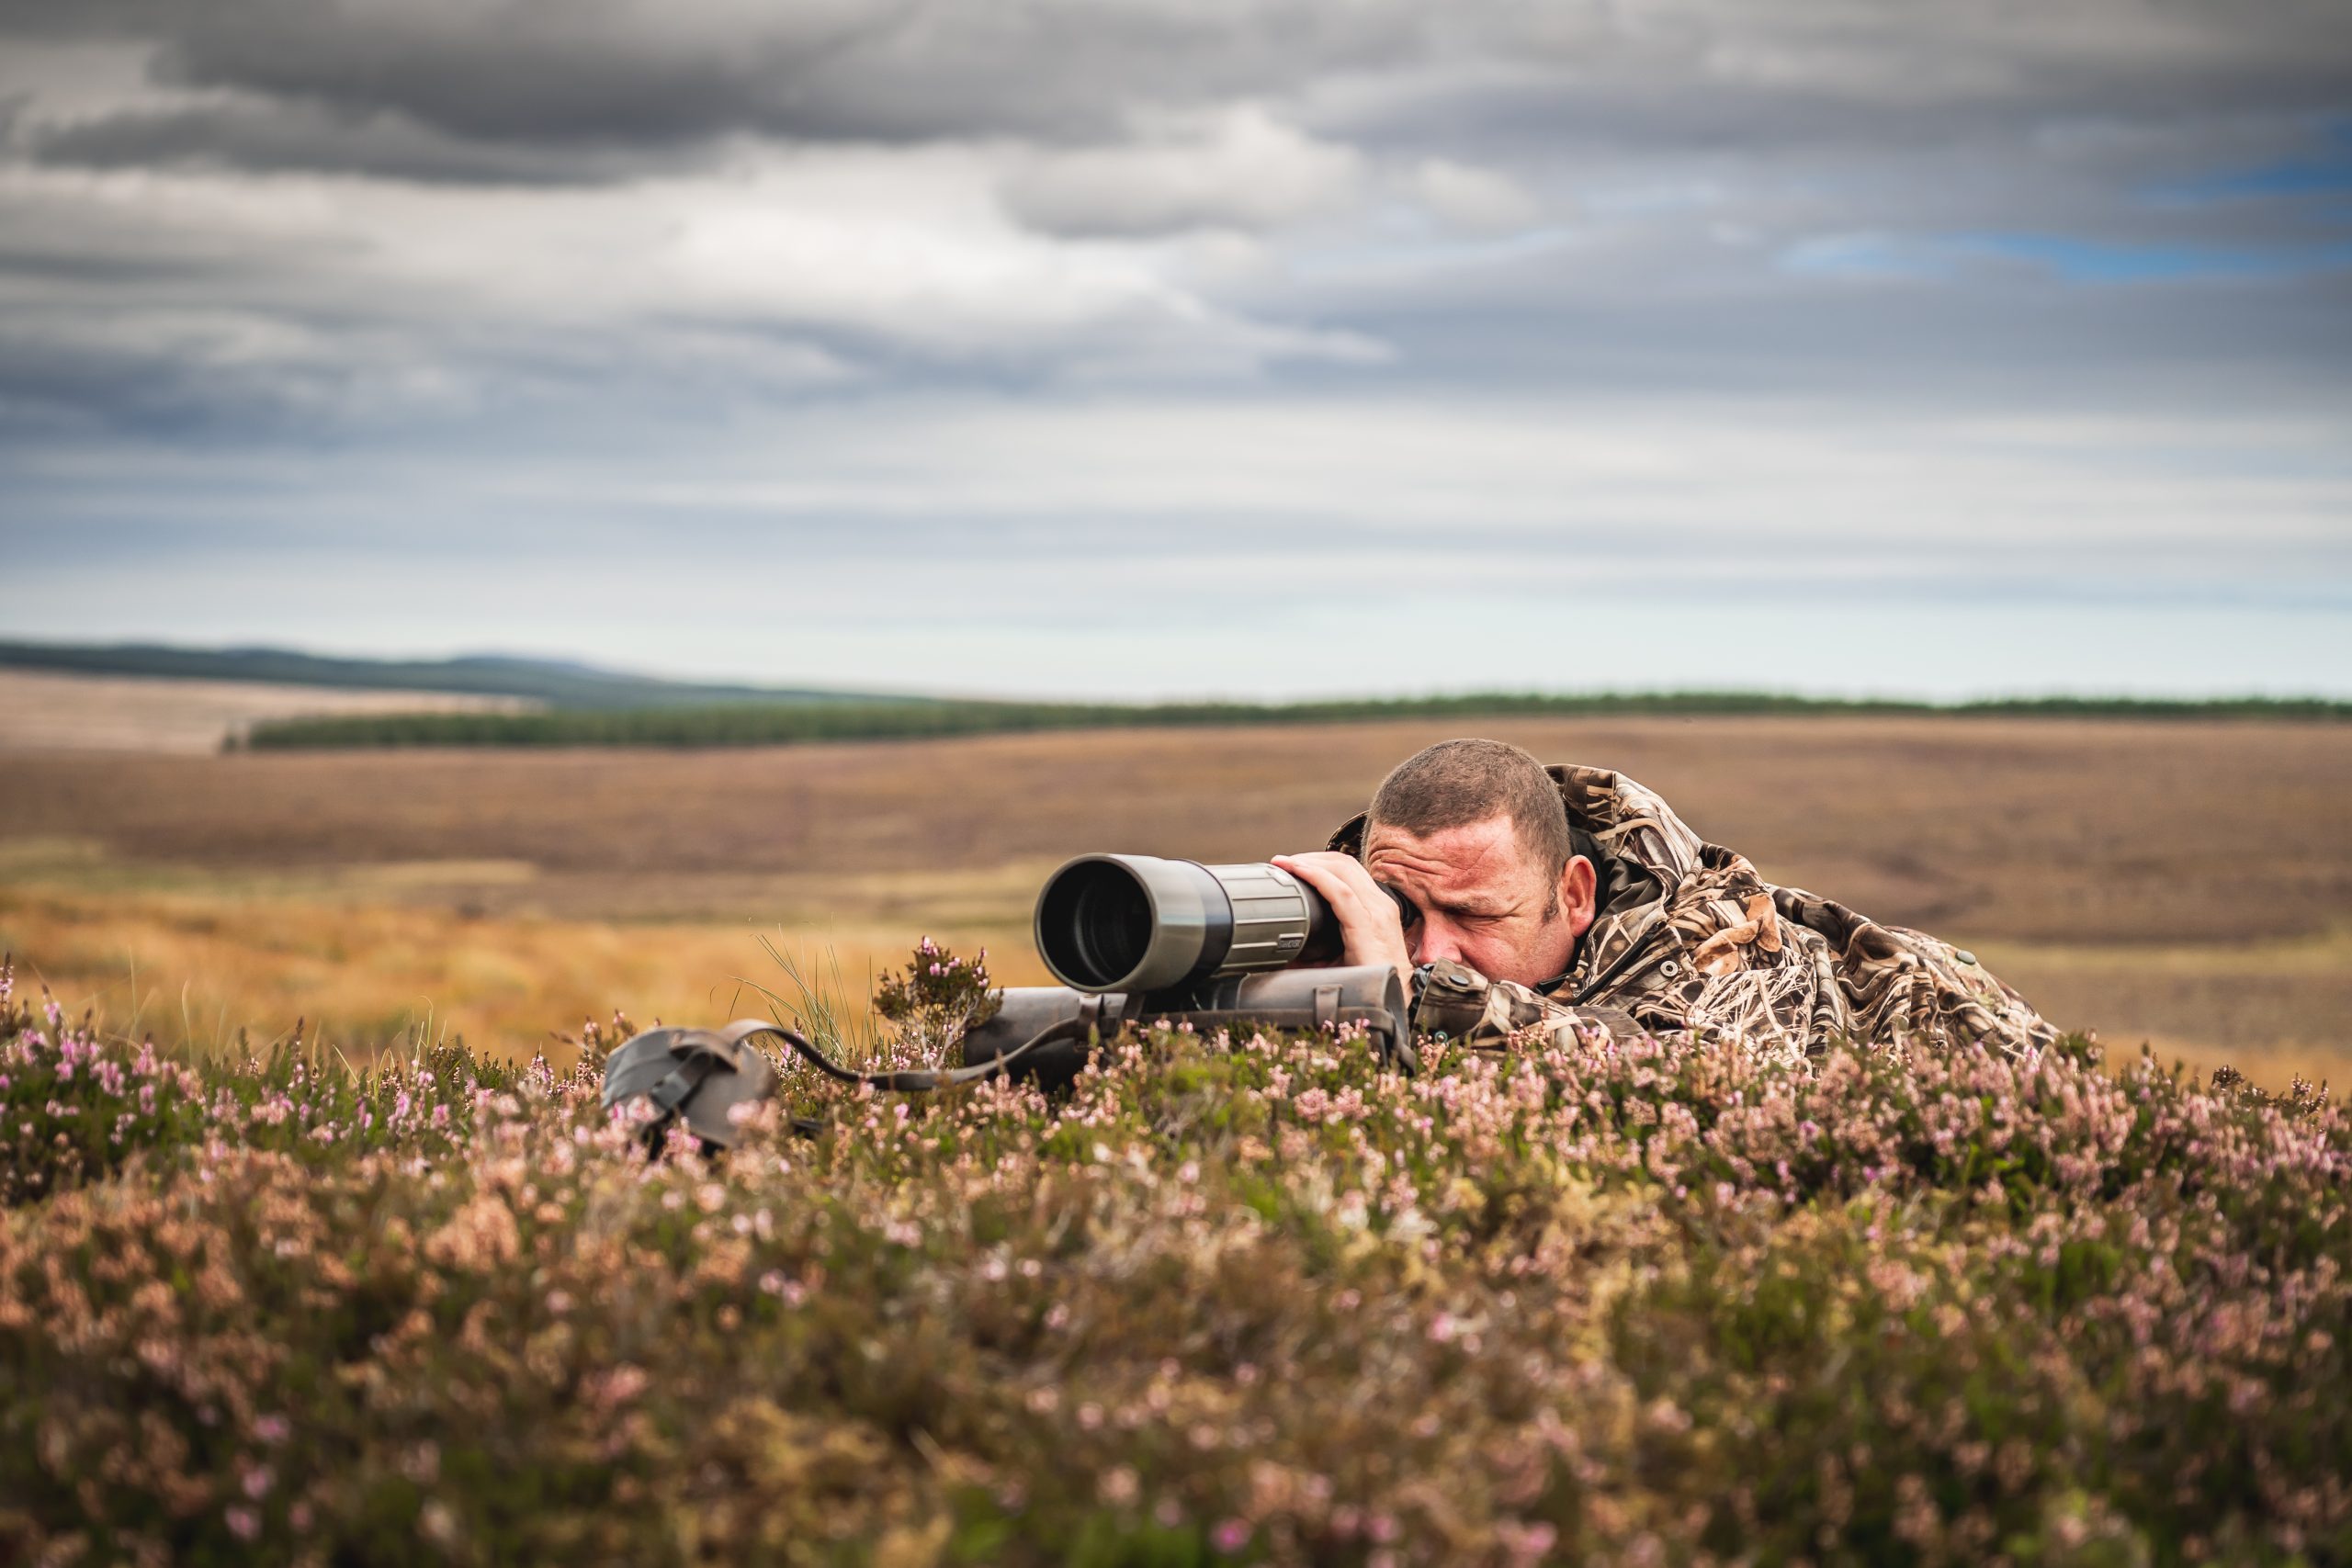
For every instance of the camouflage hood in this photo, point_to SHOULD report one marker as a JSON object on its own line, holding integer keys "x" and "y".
{"x": 1688, "y": 936}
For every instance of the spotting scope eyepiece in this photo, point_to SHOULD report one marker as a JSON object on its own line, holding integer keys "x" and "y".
{"x": 1138, "y": 923}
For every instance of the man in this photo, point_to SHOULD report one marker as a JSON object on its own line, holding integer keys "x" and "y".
{"x": 1573, "y": 898}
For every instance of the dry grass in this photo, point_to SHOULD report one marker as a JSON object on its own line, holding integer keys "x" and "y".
{"x": 42, "y": 710}
{"x": 2186, "y": 883}
{"x": 199, "y": 968}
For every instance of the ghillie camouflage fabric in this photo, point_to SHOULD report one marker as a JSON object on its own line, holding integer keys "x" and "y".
{"x": 1688, "y": 937}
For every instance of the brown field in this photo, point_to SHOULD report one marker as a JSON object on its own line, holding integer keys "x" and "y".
{"x": 2188, "y": 884}
{"x": 44, "y": 710}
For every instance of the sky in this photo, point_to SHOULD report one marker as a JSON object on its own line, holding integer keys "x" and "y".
{"x": 1142, "y": 348}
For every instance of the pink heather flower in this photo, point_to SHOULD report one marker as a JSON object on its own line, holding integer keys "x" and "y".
{"x": 243, "y": 1523}
{"x": 273, "y": 1428}
{"x": 621, "y": 1384}
{"x": 1231, "y": 1536}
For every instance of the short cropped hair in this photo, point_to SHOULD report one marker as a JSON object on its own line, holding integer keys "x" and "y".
{"x": 1457, "y": 782}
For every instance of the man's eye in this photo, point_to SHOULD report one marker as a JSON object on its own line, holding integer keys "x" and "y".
{"x": 1407, "y": 913}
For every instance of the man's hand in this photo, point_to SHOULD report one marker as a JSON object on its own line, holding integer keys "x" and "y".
{"x": 1371, "y": 928}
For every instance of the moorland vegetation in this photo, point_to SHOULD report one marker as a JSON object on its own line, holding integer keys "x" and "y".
{"x": 2186, "y": 883}
{"x": 1227, "y": 1299}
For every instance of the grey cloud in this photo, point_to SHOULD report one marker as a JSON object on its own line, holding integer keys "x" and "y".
{"x": 1241, "y": 170}
{"x": 639, "y": 71}
{"x": 274, "y": 136}
{"x": 634, "y": 71}
{"x": 585, "y": 215}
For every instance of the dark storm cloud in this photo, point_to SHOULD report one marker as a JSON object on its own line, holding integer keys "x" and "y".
{"x": 277, "y": 136}
{"x": 643, "y": 72}
{"x": 633, "y": 72}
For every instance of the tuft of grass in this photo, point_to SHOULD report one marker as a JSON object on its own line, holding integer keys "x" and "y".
{"x": 837, "y": 1020}
{"x": 1226, "y": 1299}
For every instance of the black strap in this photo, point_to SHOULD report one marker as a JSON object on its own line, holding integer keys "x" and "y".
{"x": 910, "y": 1080}
{"x": 1324, "y": 1014}
{"x": 679, "y": 1086}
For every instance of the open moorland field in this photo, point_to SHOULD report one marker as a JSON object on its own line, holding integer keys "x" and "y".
{"x": 2185, "y": 882}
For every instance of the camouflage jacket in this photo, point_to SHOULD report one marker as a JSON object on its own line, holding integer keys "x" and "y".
{"x": 1688, "y": 937}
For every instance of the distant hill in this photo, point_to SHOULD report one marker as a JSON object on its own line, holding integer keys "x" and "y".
{"x": 558, "y": 683}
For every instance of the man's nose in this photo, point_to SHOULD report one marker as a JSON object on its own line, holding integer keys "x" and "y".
{"x": 1434, "y": 943}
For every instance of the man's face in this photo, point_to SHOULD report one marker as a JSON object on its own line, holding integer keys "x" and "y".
{"x": 1484, "y": 900}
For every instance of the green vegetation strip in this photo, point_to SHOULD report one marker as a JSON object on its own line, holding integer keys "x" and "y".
{"x": 1225, "y": 1300}
{"x": 748, "y": 724}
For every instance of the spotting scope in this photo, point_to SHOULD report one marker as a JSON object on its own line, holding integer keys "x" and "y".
{"x": 1135, "y": 940}
{"x": 1142, "y": 923}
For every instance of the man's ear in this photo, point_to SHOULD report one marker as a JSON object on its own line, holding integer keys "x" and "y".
{"x": 1579, "y": 883}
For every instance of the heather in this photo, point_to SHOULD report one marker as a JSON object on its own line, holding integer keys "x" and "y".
{"x": 1224, "y": 1299}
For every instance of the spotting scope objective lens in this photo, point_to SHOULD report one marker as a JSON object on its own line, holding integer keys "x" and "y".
{"x": 1139, "y": 923}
